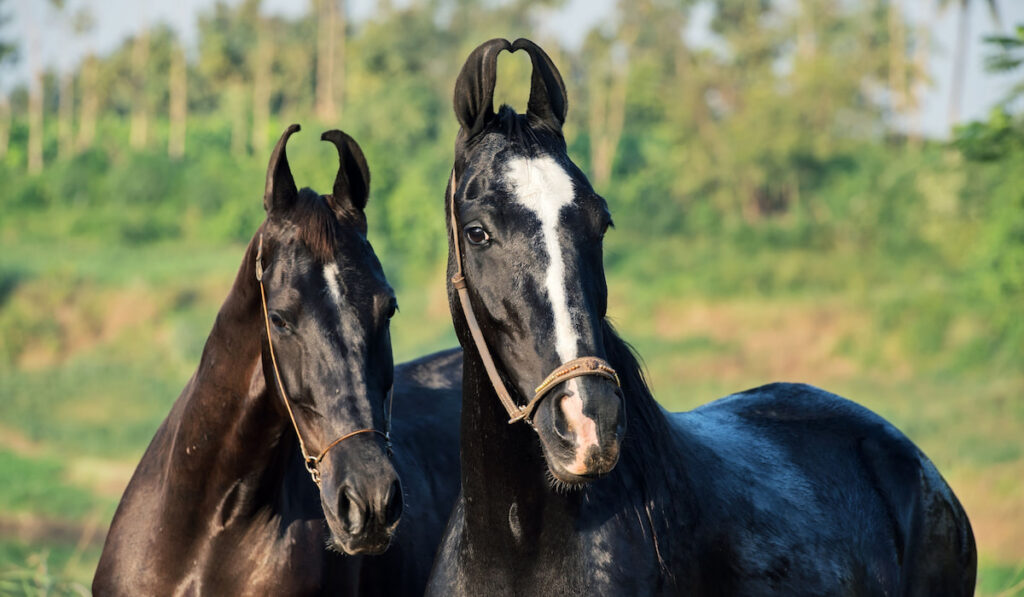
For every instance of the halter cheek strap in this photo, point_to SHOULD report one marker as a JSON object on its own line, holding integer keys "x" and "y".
{"x": 574, "y": 368}
{"x": 312, "y": 463}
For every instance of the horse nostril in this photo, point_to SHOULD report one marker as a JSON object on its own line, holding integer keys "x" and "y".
{"x": 394, "y": 504}
{"x": 562, "y": 425}
{"x": 351, "y": 511}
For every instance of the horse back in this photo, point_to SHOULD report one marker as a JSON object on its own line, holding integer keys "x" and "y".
{"x": 851, "y": 497}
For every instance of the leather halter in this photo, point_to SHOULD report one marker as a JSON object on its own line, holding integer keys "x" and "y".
{"x": 312, "y": 463}
{"x": 564, "y": 372}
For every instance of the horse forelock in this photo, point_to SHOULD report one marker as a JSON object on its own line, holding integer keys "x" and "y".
{"x": 318, "y": 226}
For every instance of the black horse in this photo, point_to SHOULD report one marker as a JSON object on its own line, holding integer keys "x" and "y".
{"x": 294, "y": 381}
{"x": 780, "y": 490}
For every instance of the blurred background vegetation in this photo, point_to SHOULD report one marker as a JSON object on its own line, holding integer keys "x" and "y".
{"x": 779, "y": 216}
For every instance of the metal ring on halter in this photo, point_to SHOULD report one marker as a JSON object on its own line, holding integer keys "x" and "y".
{"x": 564, "y": 372}
{"x": 312, "y": 463}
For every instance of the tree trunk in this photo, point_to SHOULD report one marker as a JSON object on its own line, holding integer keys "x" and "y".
{"x": 959, "y": 64}
{"x": 897, "y": 61}
{"x": 5, "y": 125}
{"x": 35, "y": 122}
{"x": 806, "y": 42}
{"x": 178, "y": 86}
{"x": 606, "y": 127}
{"x": 261, "y": 90}
{"x": 89, "y": 104}
{"x": 608, "y": 114}
{"x": 342, "y": 28}
{"x": 325, "y": 108}
{"x": 922, "y": 54}
{"x": 140, "y": 113}
{"x": 65, "y": 116}
{"x": 236, "y": 112}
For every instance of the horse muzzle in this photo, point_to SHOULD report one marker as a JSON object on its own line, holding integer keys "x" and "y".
{"x": 364, "y": 506}
{"x": 580, "y": 425}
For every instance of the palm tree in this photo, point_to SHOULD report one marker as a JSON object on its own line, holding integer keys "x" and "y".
{"x": 960, "y": 57}
{"x": 1008, "y": 57}
{"x": 7, "y": 53}
{"x": 178, "y": 104}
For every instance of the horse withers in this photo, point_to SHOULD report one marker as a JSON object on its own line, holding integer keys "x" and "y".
{"x": 575, "y": 481}
{"x": 272, "y": 474}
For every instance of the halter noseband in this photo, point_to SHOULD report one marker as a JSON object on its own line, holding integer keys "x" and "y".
{"x": 564, "y": 372}
{"x": 312, "y": 463}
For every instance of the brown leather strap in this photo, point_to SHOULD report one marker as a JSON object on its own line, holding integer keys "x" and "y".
{"x": 574, "y": 368}
{"x": 312, "y": 463}
{"x": 459, "y": 282}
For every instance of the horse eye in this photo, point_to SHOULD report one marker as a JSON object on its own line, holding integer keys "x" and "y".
{"x": 477, "y": 235}
{"x": 392, "y": 308}
{"x": 278, "y": 322}
{"x": 607, "y": 225}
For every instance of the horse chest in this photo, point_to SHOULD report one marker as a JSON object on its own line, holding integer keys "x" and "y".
{"x": 610, "y": 559}
{"x": 252, "y": 561}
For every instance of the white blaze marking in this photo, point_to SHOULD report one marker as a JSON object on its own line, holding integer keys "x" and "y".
{"x": 585, "y": 429}
{"x": 331, "y": 276}
{"x": 351, "y": 330}
{"x": 543, "y": 187}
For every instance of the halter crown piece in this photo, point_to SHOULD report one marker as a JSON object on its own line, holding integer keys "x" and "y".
{"x": 312, "y": 462}
{"x": 564, "y": 372}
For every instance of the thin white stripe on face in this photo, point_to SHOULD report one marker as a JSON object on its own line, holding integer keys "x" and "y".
{"x": 331, "y": 274}
{"x": 352, "y": 331}
{"x": 544, "y": 187}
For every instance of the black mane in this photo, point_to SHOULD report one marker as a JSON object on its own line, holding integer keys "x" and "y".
{"x": 644, "y": 464}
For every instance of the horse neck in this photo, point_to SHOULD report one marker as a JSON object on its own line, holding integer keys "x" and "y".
{"x": 503, "y": 468}
{"x": 503, "y": 465}
{"x": 227, "y": 426}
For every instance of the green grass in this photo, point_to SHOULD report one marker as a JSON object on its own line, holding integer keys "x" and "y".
{"x": 57, "y": 570}
{"x": 1000, "y": 579}
{"x": 34, "y": 484}
{"x": 91, "y": 398}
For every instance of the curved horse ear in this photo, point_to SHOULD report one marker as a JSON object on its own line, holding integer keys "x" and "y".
{"x": 280, "y": 192}
{"x": 352, "y": 184}
{"x": 548, "y": 102}
{"x": 474, "y": 88}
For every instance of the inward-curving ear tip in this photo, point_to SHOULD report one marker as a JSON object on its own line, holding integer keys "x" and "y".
{"x": 548, "y": 103}
{"x": 280, "y": 186}
{"x": 352, "y": 183}
{"x": 474, "y": 88}
{"x": 334, "y": 136}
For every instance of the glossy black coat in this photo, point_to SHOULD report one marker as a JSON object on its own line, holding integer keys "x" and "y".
{"x": 780, "y": 490}
{"x": 221, "y": 503}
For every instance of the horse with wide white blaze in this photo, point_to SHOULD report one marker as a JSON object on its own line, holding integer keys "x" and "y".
{"x": 780, "y": 490}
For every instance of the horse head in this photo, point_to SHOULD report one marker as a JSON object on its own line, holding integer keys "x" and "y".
{"x": 525, "y": 234}
{"x": 327, "y": 344}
